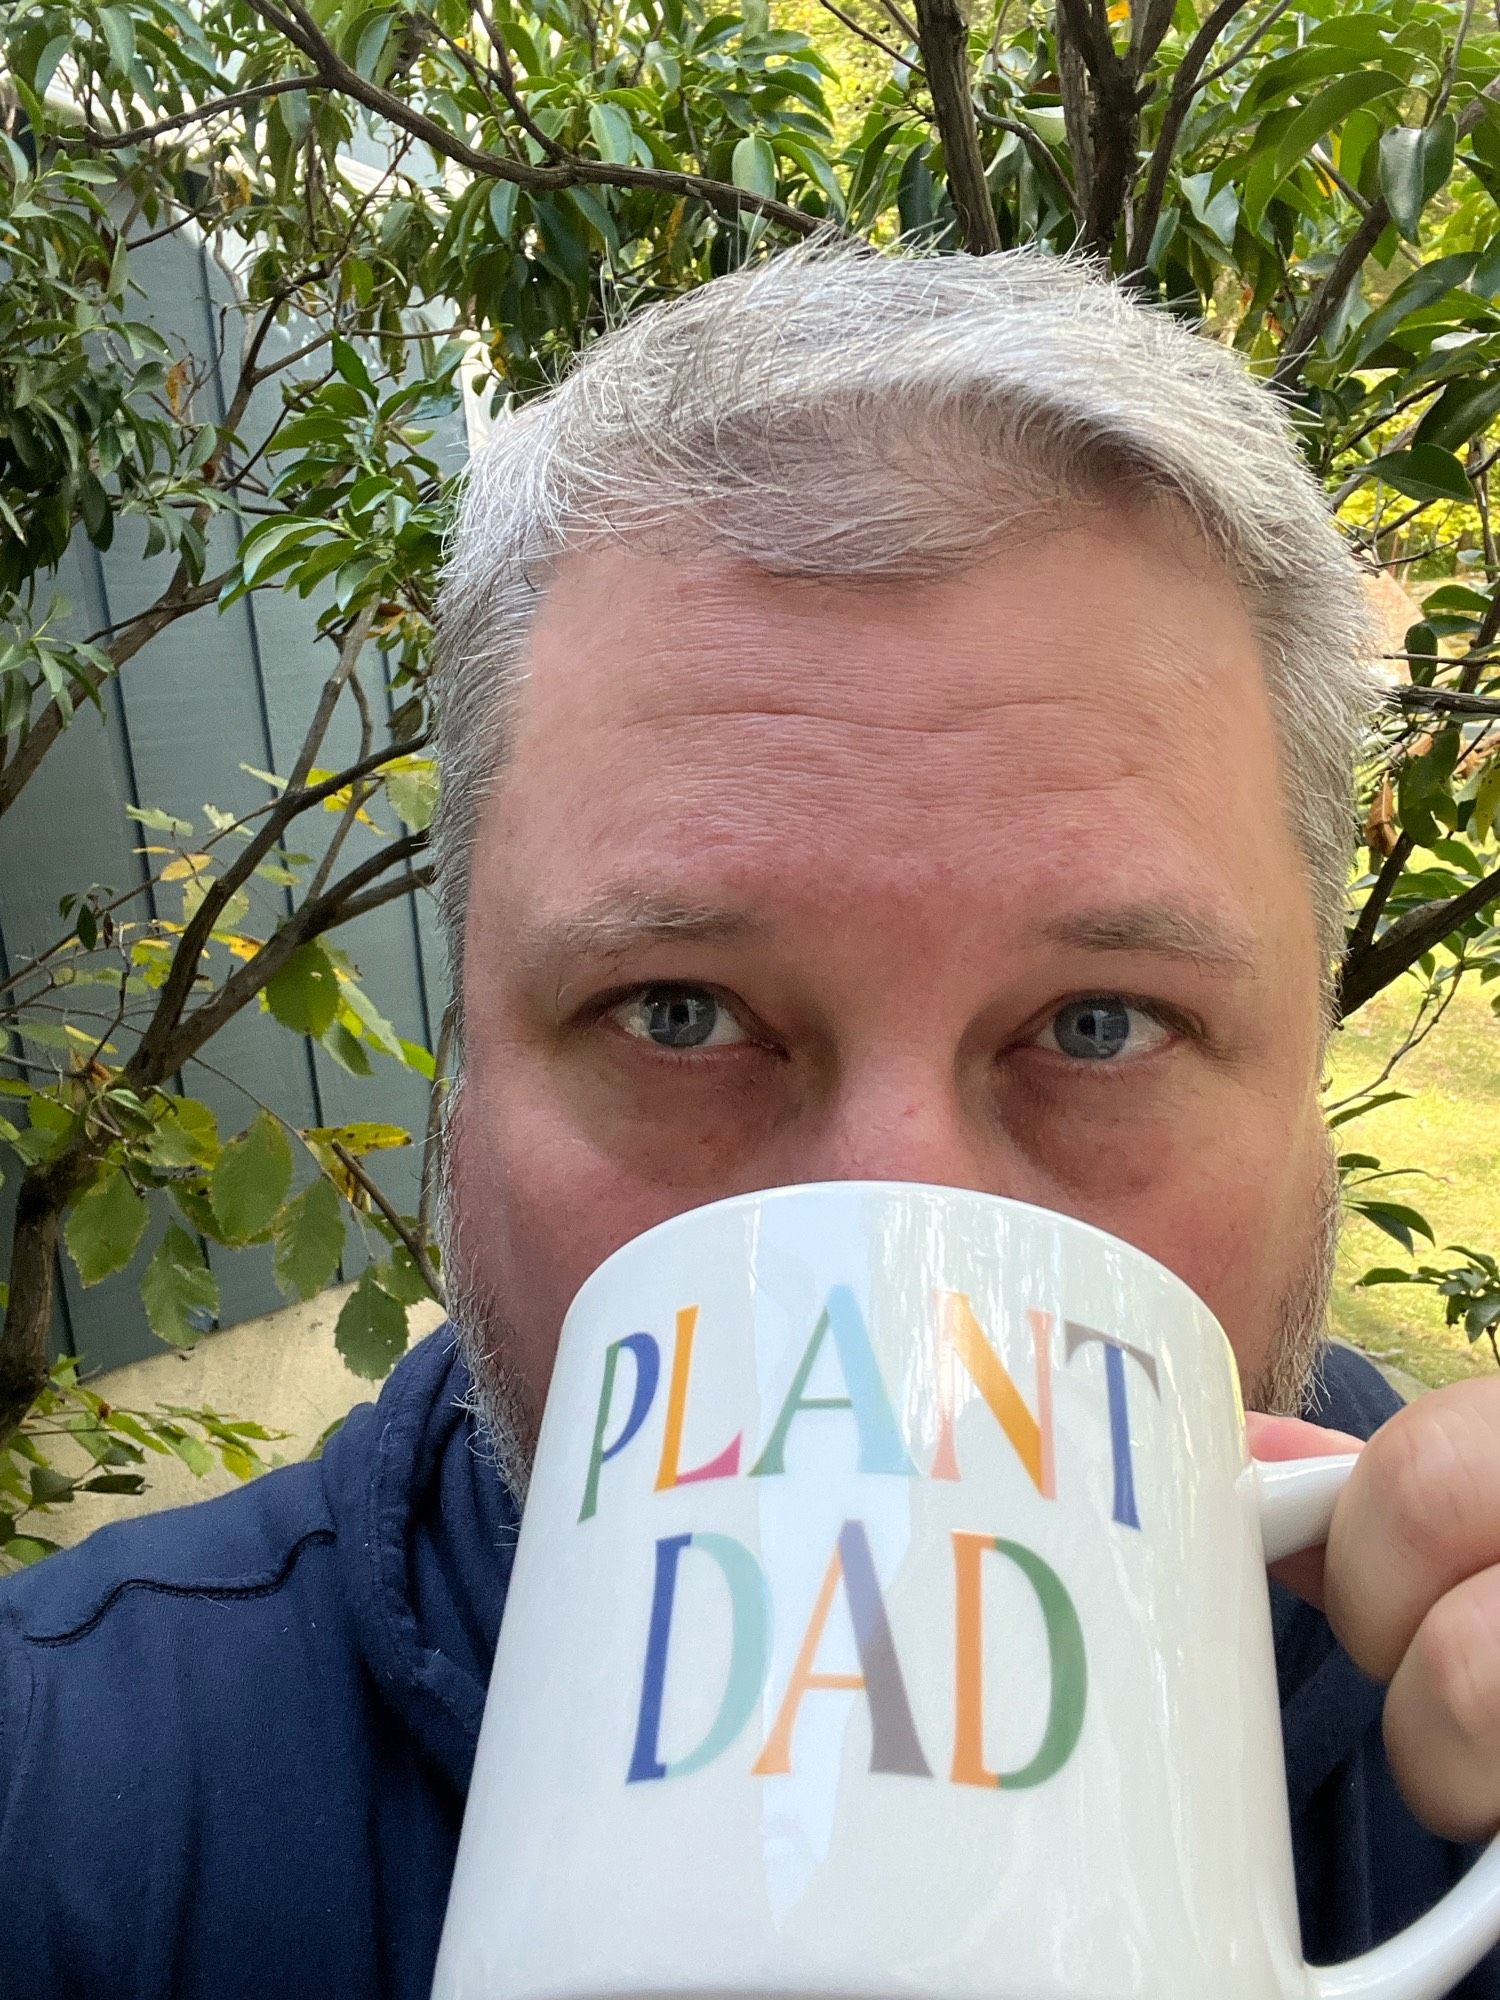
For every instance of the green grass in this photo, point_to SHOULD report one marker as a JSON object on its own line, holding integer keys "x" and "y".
{"x": 1449, "y": 1128}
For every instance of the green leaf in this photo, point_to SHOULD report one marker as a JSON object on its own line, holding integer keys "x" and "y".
{"x": 1366, "y": 1104}
{"x": 1415, "y": 161}
{"x": 1486, "y": 818}
{"x": 114, "y": 1482}
{"x": 186, "y": 1134}
{"x": 402, "y": 1278}
{"x": 119, "y": 33}
{"x": 28, "y": 1549}
{"x": 1426, "y": 472}
{"x": 416, "y": 1057}
{"x": 412, "y": 790}
{"x": 503, "y": 197}
{"x": 347, "y": 361}
{"x": 304, "y": 994}
{"x": 613, "y": 133}
{"x": 50, "y": 1487}
{"x": 371, "y": 1330}
{"x": 310, "y": 1240}
{"x": 753, "y": 165}
{"x": 1396, "y": 1219}
{"x": 104, "y": 1226}
{"x": 160, "y": 822}
{"x": 1329, "y": 107}
{"x": 179, "y": 1292}
{"x": 271, "y": 542}
{"x": 1466, "y": 407}
{"x": 250, "y": 1179}
{"x": 371, "y": 47}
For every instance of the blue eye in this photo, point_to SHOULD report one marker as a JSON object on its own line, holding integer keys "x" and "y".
{"x": 678, "y": 1017}
{"x": 1101, "y": 1029}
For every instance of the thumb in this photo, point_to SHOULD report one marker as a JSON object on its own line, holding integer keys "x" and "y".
{"x": 1273, "y": 1440}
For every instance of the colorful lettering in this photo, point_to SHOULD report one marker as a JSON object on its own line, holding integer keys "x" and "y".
{"x": 1067, "y": 1663}
{"x": 750, "y": 1652}
{"x": 1125, "y": 1509}
{"x": 647, "y": 1357}
{"x": 893, "y": 1734}
{"x": 728, "y": 1461}
{"x": 963, "y": 1339}
{"x": 880, "y": 1446}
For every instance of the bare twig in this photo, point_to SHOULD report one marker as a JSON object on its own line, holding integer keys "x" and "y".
{"x": 1444, "y": 701}
{"x": 875, "y": 41}
{"x": 1238, "y": 54}
{"x": 511, "y": 90}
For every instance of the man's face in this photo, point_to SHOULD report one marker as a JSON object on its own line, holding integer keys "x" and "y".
{"x": 982, "y": 882}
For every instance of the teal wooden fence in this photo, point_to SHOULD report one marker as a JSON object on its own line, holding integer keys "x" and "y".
{"x": 204, "y": 697}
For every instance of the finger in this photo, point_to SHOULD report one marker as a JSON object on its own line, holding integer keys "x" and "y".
{"x": 1442, "y": 1713}
{"x": 1275, "y": 1438}
{"x": 1421, "y": 1513}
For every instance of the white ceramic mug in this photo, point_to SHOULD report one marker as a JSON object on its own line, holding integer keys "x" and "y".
{"x": 889, "y": 1622}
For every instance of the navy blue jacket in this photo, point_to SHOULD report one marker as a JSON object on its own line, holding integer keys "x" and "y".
{"x": 235, "y": 1738}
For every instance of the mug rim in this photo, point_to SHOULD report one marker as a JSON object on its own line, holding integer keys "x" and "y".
{"x": 787, "y": 1189}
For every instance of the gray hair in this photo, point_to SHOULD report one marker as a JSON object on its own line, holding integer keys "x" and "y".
{"x": 838, "y": 412}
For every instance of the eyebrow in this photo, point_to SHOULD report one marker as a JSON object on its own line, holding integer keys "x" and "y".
{"x": 1161, "y": 929}
{"x": 612, "y": 925}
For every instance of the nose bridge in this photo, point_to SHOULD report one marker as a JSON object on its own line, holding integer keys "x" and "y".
{"x": 898, "y": 1113}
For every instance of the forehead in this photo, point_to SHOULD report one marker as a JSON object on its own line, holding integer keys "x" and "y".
{"x": 1081, "y": 713}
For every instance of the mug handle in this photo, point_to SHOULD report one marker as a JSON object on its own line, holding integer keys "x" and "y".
{"x": 1425, "y": 1961}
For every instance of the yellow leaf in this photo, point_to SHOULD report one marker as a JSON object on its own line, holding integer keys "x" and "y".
{"x": 359, "y": 1138}
{"x": 184, "y": 866}
{"x": 242, "y": 947}
{"x": 177, "y": 386}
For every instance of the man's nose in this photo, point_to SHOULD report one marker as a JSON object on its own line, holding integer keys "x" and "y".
{"x": 905, "y": 1126}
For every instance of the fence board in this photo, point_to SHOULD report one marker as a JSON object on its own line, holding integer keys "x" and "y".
{"x": 204, "y": 696}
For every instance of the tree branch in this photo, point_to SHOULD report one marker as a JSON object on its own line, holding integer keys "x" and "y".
{"x": 338, "y": 905}
{"x": 1319, "y": 312}
{"x": 1101, "y": 108}
{"x": 299, "y": 27}
{"x": 1185, "y": 87}
{"x": 149, "y": 1064}
{"x": 1380, "y": 894}
{"x": 943, "y": 36}
{"x": 1408, "y": 939}
{"x": 198, "y": 114}
{"x": 1444, "y": 701}
{"x": 176, "y": 601}
{"x": 352, "y": 1165}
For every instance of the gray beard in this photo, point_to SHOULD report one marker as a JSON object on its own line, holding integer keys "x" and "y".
{"x": 507, "y": 1420}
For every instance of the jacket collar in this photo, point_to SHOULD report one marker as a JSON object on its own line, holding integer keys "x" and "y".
{"x": 430, "y": 1530}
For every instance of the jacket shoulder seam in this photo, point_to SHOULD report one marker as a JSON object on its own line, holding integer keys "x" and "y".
{"x": 162, "y": 1587}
